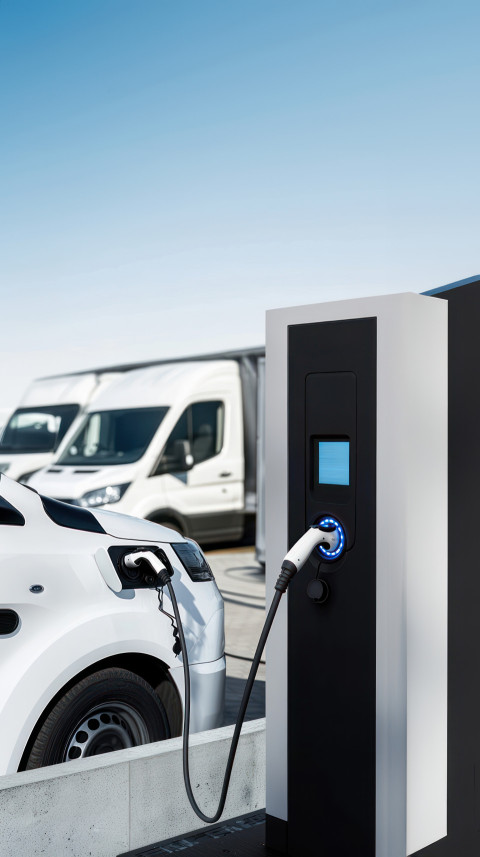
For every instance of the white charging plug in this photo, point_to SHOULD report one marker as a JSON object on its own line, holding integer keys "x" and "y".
{"x": 314, "y": 537}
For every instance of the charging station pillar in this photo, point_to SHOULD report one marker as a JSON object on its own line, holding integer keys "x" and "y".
{"x": 356, "y": 429}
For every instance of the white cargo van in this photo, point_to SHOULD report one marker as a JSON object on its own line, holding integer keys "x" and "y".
{"x": 47, "y": 411}
{"x": 174, "y": 443}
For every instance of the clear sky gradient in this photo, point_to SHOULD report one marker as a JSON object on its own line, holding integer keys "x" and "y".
{"x": 172, "y": 168}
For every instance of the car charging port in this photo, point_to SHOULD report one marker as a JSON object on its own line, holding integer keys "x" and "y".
{"x": 140, "y": 576}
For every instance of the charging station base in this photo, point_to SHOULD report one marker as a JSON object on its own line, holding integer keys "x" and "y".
{"x": 240, "y": 837}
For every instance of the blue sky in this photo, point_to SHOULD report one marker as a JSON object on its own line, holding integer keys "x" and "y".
{"x": 171, "y": 168}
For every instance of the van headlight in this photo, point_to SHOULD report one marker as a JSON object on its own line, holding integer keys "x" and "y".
{"x": 103, "y": 496}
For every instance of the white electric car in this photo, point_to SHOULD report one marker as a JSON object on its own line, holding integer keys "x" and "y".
{"x": 89, "y": 663}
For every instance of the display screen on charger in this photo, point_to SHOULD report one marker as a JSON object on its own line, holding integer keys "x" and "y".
{"x": 333, "y": 462}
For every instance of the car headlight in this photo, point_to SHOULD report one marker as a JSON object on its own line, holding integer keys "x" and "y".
{"x": 103, "y": 496}
{"x": 4, "y": 466}
{"x": 191, "y": 556}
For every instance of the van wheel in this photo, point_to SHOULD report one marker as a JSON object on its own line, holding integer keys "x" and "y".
{"x": 109, "y": 710}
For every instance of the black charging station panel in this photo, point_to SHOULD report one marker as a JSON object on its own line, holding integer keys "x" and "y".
{"x": 332, "y": 646}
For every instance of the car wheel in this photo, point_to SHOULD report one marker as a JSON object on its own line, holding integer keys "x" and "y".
{"x": 109, "y": 710}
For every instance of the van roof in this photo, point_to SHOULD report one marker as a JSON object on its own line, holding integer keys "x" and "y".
{"x": 162, "y": 385}
{"x": 60, "y": 389}
{"x": 235, "y": 354}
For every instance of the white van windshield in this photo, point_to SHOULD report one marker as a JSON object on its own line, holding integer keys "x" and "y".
{"x": 37, "y": 429}
{"x": 113, "y": 437}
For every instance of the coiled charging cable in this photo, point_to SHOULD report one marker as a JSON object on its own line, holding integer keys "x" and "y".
{"x": 292, "y": 563}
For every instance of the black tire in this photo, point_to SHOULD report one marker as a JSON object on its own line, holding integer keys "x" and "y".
{"x": 170, "y": 699}
{"x": 109, "y": 710}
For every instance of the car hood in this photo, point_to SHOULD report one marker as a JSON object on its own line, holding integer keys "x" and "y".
{"x": 127, "y": 527}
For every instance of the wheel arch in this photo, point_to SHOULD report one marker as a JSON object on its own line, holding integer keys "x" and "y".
{"x": 170, "y": 516}
{"x": 154, "y": 671}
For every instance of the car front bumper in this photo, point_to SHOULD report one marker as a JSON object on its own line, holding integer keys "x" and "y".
{"x": 207, "y": 689}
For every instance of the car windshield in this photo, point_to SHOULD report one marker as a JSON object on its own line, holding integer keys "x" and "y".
{"x": 37, "y": 429}
{"x": 113, "y": 437}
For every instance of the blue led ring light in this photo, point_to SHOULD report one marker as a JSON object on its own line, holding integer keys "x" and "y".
{"x": 336, "y": 549}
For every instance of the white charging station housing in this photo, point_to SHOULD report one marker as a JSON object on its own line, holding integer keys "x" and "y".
{"x": 410, "y": 764}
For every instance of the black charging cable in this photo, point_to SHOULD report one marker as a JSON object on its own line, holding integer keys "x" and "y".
{"x": 288, "y": 571}
{"x": 322, "y": 533}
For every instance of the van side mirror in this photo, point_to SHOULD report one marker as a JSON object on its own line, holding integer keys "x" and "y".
{"x": 183, "y": 456}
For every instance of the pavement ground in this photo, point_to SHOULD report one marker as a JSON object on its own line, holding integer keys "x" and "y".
{"x": 241, "y": 581}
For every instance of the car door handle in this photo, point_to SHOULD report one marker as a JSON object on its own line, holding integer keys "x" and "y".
{"x": 224, "y": 474}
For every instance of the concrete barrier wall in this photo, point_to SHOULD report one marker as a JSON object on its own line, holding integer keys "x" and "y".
{"x": 110, "y": 804}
